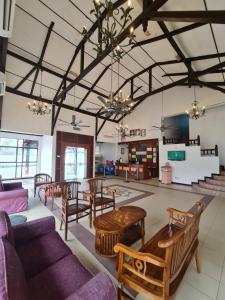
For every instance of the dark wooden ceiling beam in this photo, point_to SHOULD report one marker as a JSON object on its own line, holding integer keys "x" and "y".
{"x": 135, "y": 23}
{"x": 171, "y": 34}
{"x": 52, "y": 72}
{"x": 3, "y": 55}
{"x": 205, "y": 17}
{"x": 93, "y": 85}
{"x": 213, "y": 87}
{"x": 25, "y": 78}
{"x": 212, "y": 83}
{"x": 185, "y": 73}
{"x": 42, "y": 56}
{"x": 65, "y": 106}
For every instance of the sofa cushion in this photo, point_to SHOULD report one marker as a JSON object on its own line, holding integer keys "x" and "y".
{"x": 60, "y": 280}
{"x": 40, "y": 253}
{"x": 5, "y": 227}
{"x": 12, "y": 280}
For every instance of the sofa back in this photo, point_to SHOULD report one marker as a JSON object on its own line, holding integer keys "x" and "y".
{"x": 13, "y": 284}
{"x": 5, "y": 227}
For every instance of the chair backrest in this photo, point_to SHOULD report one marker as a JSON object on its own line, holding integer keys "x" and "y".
{"x": 96, "y": 185}
{"x": 69, "y": 192}
{"x": 53, "y": 189}
{"x": 42, "y": 177}
{"x": 180, "y": 244}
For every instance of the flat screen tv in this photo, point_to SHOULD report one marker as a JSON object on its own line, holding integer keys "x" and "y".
{"x": 176, "y": 155}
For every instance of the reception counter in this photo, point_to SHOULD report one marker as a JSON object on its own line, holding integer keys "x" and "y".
{"x": 137, "y": 171}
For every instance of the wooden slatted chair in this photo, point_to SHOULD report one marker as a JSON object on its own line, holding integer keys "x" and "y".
{"x": 73, "y": 206}
{"x": 102, "y": 197}
{"x": 40, "y": 180}
{"x": 52, "y": 191}
{"x": 158, "y": 267}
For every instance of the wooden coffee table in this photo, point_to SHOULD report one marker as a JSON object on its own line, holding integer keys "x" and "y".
{"x": 122, "y": 225}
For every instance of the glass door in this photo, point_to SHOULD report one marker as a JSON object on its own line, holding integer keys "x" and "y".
{"x": 75, "y": 165}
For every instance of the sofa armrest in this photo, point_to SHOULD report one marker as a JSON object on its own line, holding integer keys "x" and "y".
{"x": 12, "y": 186}
{"x": 12, "y": 194}
{"x": 99, "y": 287}
{"x": 33, "y": 229}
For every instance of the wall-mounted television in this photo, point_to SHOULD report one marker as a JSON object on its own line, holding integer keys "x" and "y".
{"x": 176, "y": 155}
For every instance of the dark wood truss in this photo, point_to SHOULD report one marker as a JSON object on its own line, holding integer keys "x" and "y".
{"x": 150, "y": 12}
{"x": 3, "y": 55}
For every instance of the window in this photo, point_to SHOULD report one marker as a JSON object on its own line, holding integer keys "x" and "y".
{"x": 18, "y": 158}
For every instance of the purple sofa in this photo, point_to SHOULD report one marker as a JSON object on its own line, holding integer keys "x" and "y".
{"x": 36, "y": 264}
{"x": 13, "y": 197}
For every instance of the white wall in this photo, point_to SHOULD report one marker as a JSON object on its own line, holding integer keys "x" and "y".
{"x": 176, "y": 101}
{"x": 108, "y": 151}
{"x": 193, "y": 168}
{"x": 47, "y": 157}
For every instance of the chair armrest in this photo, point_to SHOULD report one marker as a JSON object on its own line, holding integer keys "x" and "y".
{"x": 147, "y": 257}
{"x": 86, "y": 196}
{"x": 12, "y": 186}
{"x": 177, "y": 216}
{"x": 99, "y": 287}
{"x": 109, "y": 191}
{"x": 33, "y": 229}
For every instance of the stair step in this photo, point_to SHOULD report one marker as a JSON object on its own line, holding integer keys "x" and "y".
{"x": 199, "y": 189}
{"x": 215, "y": 181}
{"x": 211, "y": 186}
{"x": 219, "y": 177}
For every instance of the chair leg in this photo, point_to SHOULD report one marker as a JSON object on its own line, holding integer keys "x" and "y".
{"x": 61, "y": 223}
{"x": 197, "y": 262}
{"x": 34, "y": 191}
{"x": 66, "y": 229}
{"x": 46, "y": 199}
{"x": 53, "y": 199}
{"x": 90, "y": 218}
{"x": 77, "y": 218}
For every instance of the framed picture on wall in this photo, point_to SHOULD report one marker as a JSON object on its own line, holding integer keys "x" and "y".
{"x": 122, "y": 151}
{"x": 143, "y": 132}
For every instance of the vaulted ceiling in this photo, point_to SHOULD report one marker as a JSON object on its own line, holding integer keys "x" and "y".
{"x": 47, "y": 35}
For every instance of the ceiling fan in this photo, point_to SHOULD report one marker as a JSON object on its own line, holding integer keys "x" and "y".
{"x": 76, "y": 124}
{"x": 163, "y": 127}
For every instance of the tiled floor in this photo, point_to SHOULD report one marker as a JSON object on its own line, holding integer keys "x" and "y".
{"x": 210, "y": 284}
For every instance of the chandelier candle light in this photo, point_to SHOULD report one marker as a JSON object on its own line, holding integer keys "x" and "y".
{"x": 108, "y": 27}
{"x": 39, "y": 107}
{"x": 122, "y": 129}
{"x": 196, "y": 112}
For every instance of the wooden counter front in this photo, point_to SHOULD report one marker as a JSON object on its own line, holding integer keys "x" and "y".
{"x": 138, "y": 171}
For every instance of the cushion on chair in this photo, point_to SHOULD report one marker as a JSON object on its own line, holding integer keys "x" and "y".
{"x": 6, "y": 230}
{"x": 12, "y": 280}
{"x": 42, "y": 252}
{"x": 60, "y": 280}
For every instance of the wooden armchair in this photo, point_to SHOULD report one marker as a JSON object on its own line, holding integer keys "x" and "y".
{"x": 73, "y": 206}
{"x": 41, "y": 179}
{"x": 101, "y": 197}
{"x": 158, "y": 267}
{"x": 52, "y": 191}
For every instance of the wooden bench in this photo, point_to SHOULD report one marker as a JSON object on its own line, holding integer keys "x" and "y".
{"x": 158, "y": 267}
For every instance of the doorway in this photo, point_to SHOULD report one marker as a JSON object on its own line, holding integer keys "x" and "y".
{"x": 75, "y": 163}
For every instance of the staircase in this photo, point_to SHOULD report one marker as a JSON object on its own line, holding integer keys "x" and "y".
{"x": 214, "y": 185}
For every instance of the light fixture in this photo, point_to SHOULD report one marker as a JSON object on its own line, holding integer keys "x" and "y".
{"x": 122, "y": 129}
{"x": 108, "y": 31}
{"x": 39, "y": 107}
{"x": 196, "y": 111}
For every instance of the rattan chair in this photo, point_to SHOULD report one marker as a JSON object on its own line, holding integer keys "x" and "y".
{"x": 73, "y": 206}
{"x": 102, "y": 197}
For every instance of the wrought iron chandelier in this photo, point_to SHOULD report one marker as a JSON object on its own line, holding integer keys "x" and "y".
{"x": 108, "y": 27}
{"x": 39, "y": 107}
{"x": 196, "y": 111}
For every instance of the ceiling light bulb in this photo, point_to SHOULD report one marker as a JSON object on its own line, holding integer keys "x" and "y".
{"x": 129, "y": 3}
{"x": 131, "y": 30}
{"x": 97, "y": 2}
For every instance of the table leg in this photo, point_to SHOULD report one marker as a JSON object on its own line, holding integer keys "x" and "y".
{"x": 143, "y": 231}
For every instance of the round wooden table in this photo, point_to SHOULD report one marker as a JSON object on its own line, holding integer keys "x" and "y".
{"x": 122, "y": 225}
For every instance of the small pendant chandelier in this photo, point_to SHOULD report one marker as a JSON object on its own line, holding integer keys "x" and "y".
{"x": 196, "y": 111}
{"x": 39, "y": 107}
{"x": 122, "y": 129}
